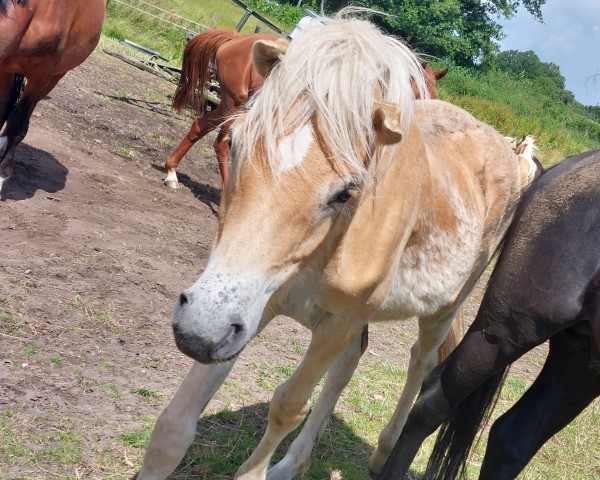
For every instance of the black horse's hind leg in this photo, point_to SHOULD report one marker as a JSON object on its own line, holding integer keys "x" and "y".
{"x": 449, "y": 384}
{"x": 562, "y": 390}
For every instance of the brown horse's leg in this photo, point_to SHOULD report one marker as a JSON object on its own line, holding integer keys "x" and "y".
{"x": 199, "y": 128}
{"x": 8, "y": 96}
{"x": 221, "y": 147}
{"x": 17, "y": 122}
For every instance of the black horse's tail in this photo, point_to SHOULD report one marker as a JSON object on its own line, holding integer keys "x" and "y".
{"x": 455, "y": 439}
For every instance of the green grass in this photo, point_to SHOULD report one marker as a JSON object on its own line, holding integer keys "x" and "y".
{"x": 59, "y": 445}
{"x": 227, "y": 434}
{"x": 56, "y": 359}
{"x": 148, "y": 393}
{"x": 125, "y": 23}
{"x": 515, "y": 108}
{"x": 227, "y": 437}
{"x": 30, "y": 351}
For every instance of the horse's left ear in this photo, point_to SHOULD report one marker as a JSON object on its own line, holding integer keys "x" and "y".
{"x": 386, "y": 120}
{"x": 266, "y": 54}
{"x": 440, "y": 74}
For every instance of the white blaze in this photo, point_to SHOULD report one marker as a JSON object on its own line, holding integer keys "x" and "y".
{"x": 294, "y": 147}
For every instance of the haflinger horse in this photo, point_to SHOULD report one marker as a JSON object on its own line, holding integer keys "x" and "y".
{"x": 348, "y": 202}
{"x": 545, "y": 286}
{"x": 229, "y": 55}
{"x": 40, "y": 41}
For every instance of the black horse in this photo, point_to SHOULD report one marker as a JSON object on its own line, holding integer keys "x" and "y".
{"x": 546, "y": 285}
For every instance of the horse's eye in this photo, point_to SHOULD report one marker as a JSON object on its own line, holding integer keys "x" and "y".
{"x": 343, "y": 196}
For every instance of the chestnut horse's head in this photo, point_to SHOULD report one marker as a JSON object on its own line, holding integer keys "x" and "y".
{"x": 305, "y": 154}
{"x": 431, "y": 78}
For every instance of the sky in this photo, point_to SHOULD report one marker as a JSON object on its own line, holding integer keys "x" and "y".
{"x": 569, "y": 37}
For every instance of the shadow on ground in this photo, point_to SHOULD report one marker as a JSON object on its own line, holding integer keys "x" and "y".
{"x": 225, "y": 440}
{"x": 34, "y": 170}
{"x": 209, "y": 196}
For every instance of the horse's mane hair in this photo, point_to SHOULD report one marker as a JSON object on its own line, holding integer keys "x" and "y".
{"x": 4, "y": 5}
{"x": 335, "y": 72}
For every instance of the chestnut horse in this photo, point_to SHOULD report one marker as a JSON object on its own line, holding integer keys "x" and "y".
{"x": 545, "y": 286}
{"x": 238, "y": 80}
{"x": 40, "y": 41}
{"x": 229, "y": 54}
{"x": 348, "y": 202}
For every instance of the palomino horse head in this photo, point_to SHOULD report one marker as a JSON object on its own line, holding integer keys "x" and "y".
{"x": 307, "y": 157}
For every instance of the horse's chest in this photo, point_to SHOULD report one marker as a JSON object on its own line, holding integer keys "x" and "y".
{"x": 432, "y": 270}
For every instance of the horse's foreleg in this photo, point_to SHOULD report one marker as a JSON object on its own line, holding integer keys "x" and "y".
{"x": 562, "y": 390}
{"x": 176, "y": 426}
{"x": 423, "y": 357}
{"x": 291, "y": 399}
{"x": 17, "y": 121}
{"x": 221, "y": 147}
{"x": 200, "y": 127}
{"x": 298, "y": 455}
{"x": 8, "y": 97}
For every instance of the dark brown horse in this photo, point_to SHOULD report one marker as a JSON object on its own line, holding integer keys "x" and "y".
{"x": 40, "y": 41}
{"x": 546, "y": 286}
{"x": 229, "y": 55}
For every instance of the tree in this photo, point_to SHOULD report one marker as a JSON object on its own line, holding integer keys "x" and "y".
{"x": 461, "y": 30}
{"x": 528, "y": 65}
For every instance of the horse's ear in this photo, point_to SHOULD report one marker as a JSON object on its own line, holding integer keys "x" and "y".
{"x": 386, "y": 120}
{"x": 440, "y": 74}
{"x": 266, "y": 54}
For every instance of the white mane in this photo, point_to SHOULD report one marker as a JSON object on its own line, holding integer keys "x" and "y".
{"x": 337, "y": 72}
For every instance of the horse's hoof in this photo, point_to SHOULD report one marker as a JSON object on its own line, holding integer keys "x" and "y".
{"x": 174, "y": 184}
{"x": 376, "y": 463}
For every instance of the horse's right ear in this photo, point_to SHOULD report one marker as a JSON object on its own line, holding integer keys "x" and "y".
{"x": 266, "y": 54}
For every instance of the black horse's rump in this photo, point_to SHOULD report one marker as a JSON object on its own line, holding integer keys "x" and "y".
{"x": 4, "y": 5}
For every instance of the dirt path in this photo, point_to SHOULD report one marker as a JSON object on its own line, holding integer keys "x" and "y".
{"x": 94, "y": 250}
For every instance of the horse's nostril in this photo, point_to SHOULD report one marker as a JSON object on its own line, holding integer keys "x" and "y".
{"x": 237, "y": 328}
{"x": 183, "y": 299}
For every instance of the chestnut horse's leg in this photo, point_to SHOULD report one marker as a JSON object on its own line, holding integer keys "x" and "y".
{"x": 221, "y": 147}
{"x": 299, "y": 454}
{"x": 292, "y": 398}
{"x": 200, "y": 127}
{"x": 176, "y": 426}
{"x": 423, "y": 358}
